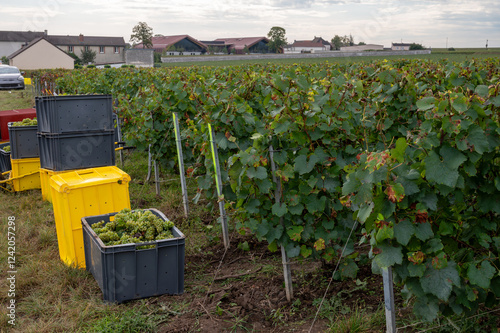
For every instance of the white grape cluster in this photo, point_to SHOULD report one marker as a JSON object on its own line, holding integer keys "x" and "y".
{"x": 25, "y": 122}
{"x": 136, "y": 226}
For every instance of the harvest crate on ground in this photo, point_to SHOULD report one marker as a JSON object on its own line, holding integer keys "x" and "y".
{"x": 45, "y": 175}
{"x": 5, "y": 164}
{"x": 79, "y": 193}
{"x": 125, "y": 272}
{"x": 25, "y": 175}
{"x": 23, "y": 141}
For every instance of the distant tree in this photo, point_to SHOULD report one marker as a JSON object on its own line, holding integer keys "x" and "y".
{"x": 246, "y": 50}
{"x": 337, "y": 42}
{"x": 415, "y": 46}
{"x": 159, "y": 35}
{"x": 142, "y": 33}
{"x": 347, "y": 40}
{"x": 88, "y": 56}
{"x": 361, "y": 43}
{"x": 157, "y": 57}
{"x": 277, "y": 39}
{"x": 5, "y": 60}
{"x": 77, "y": 61}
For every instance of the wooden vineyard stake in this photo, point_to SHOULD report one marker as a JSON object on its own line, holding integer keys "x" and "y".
{"x": 148, "y": 177}
{"x": 284, "y": 257}
{"x": 218, "y": 183}
{"x": 157, "y": 177}
{"x": 180, "y": 157}
{"x": 390, "y": 314}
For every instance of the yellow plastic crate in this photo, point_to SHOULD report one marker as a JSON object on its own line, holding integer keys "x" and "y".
{"x": 25, "y": 174}
{"x": 80, "y": 193}
{"x": 45, "y": 175}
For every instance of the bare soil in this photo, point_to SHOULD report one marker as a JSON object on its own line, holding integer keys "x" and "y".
{"x": 243, "y": 291}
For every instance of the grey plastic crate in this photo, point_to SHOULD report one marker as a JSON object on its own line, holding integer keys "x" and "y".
{"x": 74, "y": 113}
{"x": 61, "y": 152}
{"x": 123, "y": 272}
{"x": 5, "y": 164}
{"x": 23, "y": 141}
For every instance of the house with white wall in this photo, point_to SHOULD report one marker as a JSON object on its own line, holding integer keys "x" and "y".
{"x": 400, "y": 46}
{"x": 40, "y": 54}
{"x": 316, "y": 45}
{"x": 366, "y": 47}
{"x": 109, "y": 50}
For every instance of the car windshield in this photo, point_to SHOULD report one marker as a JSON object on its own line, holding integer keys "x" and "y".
{"x": 9, "y": 70}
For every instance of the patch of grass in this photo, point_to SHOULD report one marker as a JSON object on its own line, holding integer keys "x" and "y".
{"x": 486, "y": 322}
{"x": 129, "y": 320}
{"x": 358, "y": 321}
{"x": 16, "y": 99}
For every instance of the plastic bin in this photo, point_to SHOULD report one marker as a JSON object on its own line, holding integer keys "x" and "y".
{"x": 45, "y": 175}
{"x": 23, "y": 141}
{"x": 25, "y": 174}
{"x": 123, "y": 272}
{"x": 5, "y": 158}
{"x": 74, "y": 113}
{"x": 79, "y": 193}
{"x": 60, "y": 152}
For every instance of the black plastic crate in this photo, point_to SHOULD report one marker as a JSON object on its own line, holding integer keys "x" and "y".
{"x": 74, "y": 113}
{"x": 23, "y": 141}
{"x": 60, "y": 152}
{"x": 123, "y": 272}
{"x": 5, "y": 164}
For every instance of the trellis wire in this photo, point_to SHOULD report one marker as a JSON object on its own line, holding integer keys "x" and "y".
{"x": 438, "y": 326}
{"x": 331, "y": 278}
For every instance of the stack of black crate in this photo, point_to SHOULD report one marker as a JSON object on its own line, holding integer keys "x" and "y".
{"x": 75, "y": 132}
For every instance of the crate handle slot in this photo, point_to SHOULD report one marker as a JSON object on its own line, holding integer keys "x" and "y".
{"x": 152, "y": 245}
{"x": 85, "y": 172}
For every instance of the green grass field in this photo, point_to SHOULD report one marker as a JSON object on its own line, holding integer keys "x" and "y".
{"x": 16, "y": 99}
{"x": 459, "y": 55}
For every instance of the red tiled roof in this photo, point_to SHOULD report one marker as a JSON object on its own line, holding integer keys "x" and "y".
{"x": 240, "y": 43}
{"x": 162, "y": 42}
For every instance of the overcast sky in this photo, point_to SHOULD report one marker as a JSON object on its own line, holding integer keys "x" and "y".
{"x": 437, "y": 23}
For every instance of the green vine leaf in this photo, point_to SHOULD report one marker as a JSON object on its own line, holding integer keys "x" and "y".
{"x": 437, "y": 171}
{"x": 302, "y": 166}
{"x": 423, "y": 231}
{"x": 279, "y": 209}
{"x": 403, "y": 231}
{"x": 389, "y": 256}
{"x": 295, "y": 232}
{"x": 481, "y": 276}
{"x": 426, "y": 308}
{"x": 426, "y": 103}
{"x": 439, "y": 282}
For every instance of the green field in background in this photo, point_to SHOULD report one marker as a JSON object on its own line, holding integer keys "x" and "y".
{"x": 459, "y": 55}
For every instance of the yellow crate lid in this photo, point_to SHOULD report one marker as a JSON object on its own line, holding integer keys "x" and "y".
{"x": 66, "y": 181}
